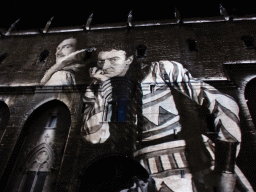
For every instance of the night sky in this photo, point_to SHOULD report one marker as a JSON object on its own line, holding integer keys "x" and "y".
{"x": 71, "y": 13}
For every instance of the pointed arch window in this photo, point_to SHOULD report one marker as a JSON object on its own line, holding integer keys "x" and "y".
{"x": 33, "y": 156}
{"x": 38, "y": 163}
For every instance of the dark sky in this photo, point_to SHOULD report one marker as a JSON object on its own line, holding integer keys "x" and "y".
{"x": 72, "y": 13}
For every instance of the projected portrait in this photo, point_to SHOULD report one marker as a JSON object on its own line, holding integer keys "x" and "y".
{"x": 142, "y": 110}
{"x": 70, "y": 65}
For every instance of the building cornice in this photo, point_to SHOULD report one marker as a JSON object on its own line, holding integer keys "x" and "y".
{"x": 135, "y": 24}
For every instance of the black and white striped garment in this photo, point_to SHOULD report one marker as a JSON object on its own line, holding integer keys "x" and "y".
{"x": 166, "y": 157}
{"x": 159, "y": 107}
{"x": 161, "y": 153}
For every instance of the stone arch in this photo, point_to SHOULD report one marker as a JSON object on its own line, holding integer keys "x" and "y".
{"x": 39, "y": 104}
{"x": 114, "y": 172}
{"x": 39, "y": 149}
{"x": 250, "y": 96}
{"x": 4, "y": 118}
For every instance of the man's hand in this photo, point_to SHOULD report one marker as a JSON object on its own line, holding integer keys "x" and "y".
{"x": 142, "y": 186}
{"x": 65, "y": 61}
{"x": 97, "y": 74}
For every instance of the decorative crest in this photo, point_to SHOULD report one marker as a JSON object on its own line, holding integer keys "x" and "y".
{"x": 47, "y": 25}
{"x": 129, "y": 19}
{"x": 88, "y": 23}
{"x": 11, "y": 28}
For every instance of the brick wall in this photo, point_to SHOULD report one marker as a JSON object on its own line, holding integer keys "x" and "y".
{"x": 21, "y": 72}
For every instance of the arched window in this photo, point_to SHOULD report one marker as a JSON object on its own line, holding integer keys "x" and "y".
{"x": 4, "y": 118}
{"x": 250, "y": 96}
{"x": 43, "y": 136}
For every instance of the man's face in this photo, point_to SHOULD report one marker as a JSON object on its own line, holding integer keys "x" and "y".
{"x": 65, "y": 48}
{"x": 114, "y": 63}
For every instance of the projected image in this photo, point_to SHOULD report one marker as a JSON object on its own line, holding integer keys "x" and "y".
{"x": 143, "y": 110}
{"x": 70, "y": 65}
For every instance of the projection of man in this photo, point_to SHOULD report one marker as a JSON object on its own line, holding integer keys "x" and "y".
{"x": 177, "y": 159}
{"x": 69, "y": 68}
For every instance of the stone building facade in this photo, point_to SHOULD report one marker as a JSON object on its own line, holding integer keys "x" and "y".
{"x": 41, "y": 144}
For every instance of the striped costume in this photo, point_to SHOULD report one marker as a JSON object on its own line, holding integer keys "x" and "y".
{"x": 174, "y": 156}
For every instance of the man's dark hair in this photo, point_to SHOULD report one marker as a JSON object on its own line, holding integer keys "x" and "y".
{"x": 134, "y": 70}
{"x": 124, "y": 46}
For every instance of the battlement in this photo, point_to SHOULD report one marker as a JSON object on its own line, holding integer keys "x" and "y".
{"x": 123, "y": 25}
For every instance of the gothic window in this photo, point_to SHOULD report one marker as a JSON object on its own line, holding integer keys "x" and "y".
{"x": 34, "y": 154}
{"x": 37, "y": 165}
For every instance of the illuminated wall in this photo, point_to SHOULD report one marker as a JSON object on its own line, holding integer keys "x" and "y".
{"x": 174, "y": 102}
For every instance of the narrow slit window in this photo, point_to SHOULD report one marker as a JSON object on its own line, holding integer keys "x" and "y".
{"x": 52, "y": 122}
{"x": 192, "y": 44}
{"x": 3, "y": 57}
